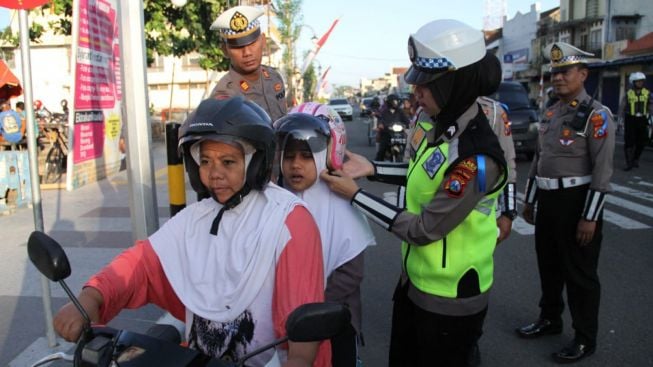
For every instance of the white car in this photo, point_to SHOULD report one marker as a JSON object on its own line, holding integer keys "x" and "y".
{"x": 342, "y": 106}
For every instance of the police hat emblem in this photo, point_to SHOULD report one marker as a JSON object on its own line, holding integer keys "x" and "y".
{"x": 238, "y": 22}
{"x": 556, "y": 53}
{"x": 412, "y": 52}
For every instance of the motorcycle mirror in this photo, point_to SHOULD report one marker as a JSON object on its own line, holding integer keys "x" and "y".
{"x": 48, "y": 256}
{"x": 317, "y": 321}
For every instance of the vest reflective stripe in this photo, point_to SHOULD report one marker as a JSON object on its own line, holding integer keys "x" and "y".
{"x": 437, "y": 268}
{"x": 638, "y": 103}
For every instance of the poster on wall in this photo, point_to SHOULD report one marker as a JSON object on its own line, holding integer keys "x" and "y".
{"x": 96, "y": 122}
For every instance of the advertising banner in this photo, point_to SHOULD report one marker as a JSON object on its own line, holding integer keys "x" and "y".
{"x": 96, "y": 123}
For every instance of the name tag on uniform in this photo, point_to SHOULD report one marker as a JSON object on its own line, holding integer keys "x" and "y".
{"x": 433, "y": 162}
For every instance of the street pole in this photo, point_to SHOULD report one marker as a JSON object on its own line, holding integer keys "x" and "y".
{"x": 37, "y": 208}
{"x": 143, "y": 205}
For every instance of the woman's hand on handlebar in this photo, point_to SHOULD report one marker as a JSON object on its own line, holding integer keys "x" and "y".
{"x": 69, "y": 322}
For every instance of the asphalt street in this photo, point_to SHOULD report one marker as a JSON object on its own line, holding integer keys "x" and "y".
{"x": 93, "y": 225}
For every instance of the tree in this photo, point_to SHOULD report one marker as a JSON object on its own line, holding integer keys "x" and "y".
{"x": 168, "y": 30}
{"x": 310, "y": 83}
{"x": 289, "y": 17}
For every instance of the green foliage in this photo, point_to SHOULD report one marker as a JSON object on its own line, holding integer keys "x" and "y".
{"x": 310, "y": 83}
{"x": 289, "y": 25}
{"x": 168, "y": 30}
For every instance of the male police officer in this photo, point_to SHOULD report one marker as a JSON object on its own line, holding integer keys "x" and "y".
{"x": 569, "y": 178}
{"x": 243, "y": 44}
{"x": 498, "y": 118}
{"x": 634, "y": 111}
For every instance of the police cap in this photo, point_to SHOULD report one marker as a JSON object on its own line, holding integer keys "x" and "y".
{"x": 239, "y": 26}
{"x": 563, "y": 55}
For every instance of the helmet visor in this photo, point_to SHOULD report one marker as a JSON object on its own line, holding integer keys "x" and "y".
{"x": 314, "y": 140}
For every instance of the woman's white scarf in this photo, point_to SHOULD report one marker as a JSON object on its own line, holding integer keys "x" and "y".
{"x": 218, "y": 277}
{"x": 344, "y": 231}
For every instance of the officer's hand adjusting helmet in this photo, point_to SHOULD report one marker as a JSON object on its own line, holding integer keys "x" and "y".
{"x": 441, "y": 46}
{"x": 636, "y": 76}
{"x": 233, "y": 119}
{"x": 319, "y": 126}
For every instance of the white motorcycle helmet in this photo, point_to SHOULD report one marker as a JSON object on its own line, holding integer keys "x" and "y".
{"x": 440, "y": 46}
{"x": 636, "y": 76}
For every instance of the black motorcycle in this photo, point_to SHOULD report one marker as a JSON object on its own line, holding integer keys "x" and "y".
{"x": 100, "y": 346}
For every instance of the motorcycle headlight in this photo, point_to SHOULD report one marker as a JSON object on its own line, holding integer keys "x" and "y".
{"x": 397, "y": 128}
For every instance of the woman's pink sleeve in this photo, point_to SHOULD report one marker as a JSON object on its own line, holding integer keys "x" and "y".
{"x": 134, "y": 279}
{"x": 299, "y": 275}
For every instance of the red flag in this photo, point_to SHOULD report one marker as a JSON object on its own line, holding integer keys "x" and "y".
{"x": 323, "y": 39}
{"x": 321, "y": 84}
{"x": 22, "y": 4}
{"x": 311, "y": 55}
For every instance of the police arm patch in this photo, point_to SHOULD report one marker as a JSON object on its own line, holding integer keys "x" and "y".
{"x": 459, "y": 177}
{"x": 599, "y": 125}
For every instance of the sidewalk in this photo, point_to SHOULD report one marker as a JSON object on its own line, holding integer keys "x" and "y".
{"x": 93, "y": 224}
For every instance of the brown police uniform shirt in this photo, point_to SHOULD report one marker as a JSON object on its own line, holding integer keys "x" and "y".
{"x": 268, "y": 92}
{"x": 500, "y": 124}
{"x": 564, "y": 152}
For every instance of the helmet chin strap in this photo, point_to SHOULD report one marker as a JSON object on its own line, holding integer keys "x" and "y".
{"x": 234, "y": 200}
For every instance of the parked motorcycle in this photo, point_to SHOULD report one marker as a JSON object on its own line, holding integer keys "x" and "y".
{"x": 101, "y": 346}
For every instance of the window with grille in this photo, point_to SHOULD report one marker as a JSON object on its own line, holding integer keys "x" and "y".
{"x": 592, "y": 8}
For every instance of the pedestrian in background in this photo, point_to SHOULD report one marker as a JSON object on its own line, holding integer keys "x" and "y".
{"x": 243, "y": 45}
{"x": 635, "y": 110}
{"x": 453, "y": 178}
{"x": 569, "y": 178}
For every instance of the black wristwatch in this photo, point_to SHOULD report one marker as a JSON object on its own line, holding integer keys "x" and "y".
{"x": 511, "y": 214}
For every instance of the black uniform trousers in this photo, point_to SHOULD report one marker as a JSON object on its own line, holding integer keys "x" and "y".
{"x": 420, "y": 338}
{"x": 562, "y": 262}
{"x": 635, "y": 137}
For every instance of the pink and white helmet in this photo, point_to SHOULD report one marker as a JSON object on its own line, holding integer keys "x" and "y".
{"x": 337, "y": 143}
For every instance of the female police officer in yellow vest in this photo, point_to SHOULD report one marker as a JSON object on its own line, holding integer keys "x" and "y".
{"x": 454, "y": 175}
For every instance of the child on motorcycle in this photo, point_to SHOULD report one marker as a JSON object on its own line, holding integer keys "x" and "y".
{"x": 232, "y": 265}
{"x": 311, "y": 138}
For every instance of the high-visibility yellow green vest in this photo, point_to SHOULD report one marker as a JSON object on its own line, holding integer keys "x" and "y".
{"x": 437, "y": 268}
{"x": 642, "y": 98}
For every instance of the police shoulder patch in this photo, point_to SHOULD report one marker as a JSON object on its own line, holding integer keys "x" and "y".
{"x": 459, "y": 177}
{"x": 599, "y": 125}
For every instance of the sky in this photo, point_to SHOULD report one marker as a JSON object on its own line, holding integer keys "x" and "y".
{"x": 371, "y": 36}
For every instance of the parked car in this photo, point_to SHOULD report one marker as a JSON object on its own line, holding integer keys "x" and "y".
{"x": 365, "y": 106}
{"x": 522, "y": 114}
{"x": 342, "y": 106}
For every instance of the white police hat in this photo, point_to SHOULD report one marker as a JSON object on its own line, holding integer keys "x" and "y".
{"x": 563, "y": 55}
{"x": 239, "y": 26}
{"x": 440, "y": 46}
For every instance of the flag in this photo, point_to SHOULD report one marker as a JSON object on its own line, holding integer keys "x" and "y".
{"x": 321, "y": 84}
{"x": 311, "y": 55}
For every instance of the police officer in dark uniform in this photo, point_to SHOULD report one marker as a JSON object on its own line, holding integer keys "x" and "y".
{"x": 570, "y": 178}
{"x": 247, "y": 77}
{"x": 454, "y": 176}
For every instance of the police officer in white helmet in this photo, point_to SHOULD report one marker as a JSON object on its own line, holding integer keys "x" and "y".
{"x": 455, "y": 173}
